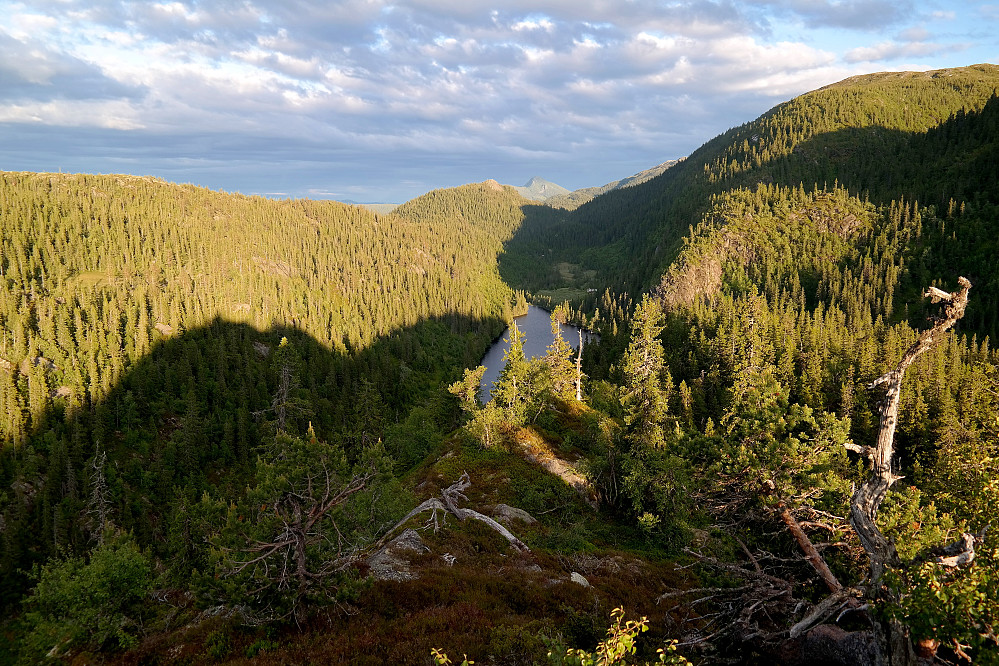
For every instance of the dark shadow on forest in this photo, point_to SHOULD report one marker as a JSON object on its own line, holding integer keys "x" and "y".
{"x": 190, "y": 417}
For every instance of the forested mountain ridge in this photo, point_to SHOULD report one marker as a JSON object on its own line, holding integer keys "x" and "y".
{"x": 787, "y": 259}
{"x": 927, "y": 137}
{"x": 792, "y": 297}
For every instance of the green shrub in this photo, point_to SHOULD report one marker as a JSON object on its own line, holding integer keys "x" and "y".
{"x": 620, "y": 644}
{"x": 260, "y": 645}
{"x": 218, "y": 646}
{"x": 97, "y": 604}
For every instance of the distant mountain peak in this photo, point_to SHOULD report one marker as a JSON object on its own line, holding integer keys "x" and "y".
{"x": 539, "y": 189}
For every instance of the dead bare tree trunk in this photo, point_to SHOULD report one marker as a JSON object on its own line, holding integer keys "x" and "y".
{"x": 99, "y": 503}
{"x": 282, "y": 562}
{"x": 449, "y": 504}
{"x": 579, "y": 369}
{"x": 868, "y": 497}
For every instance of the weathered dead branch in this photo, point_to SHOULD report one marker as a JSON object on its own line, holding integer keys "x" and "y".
{"x": 837, "y": 601}
{"x": 811, "y": 554}
{"x": 867, "y": 498}
{"x": 746, "y": 612}
{"x": 449, "y": 505}
{"x": 281, "y": 562}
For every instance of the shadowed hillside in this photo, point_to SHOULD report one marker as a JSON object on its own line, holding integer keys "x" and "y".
{"x": 98, "y": 272}
{"x": 190, "y": 428}
{"x": 927, "y": 137}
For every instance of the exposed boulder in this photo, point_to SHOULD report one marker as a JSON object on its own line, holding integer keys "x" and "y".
{"x": 829, "y": 645}
{"x": 389, "y": 563}
{"x": 506, "y": 514}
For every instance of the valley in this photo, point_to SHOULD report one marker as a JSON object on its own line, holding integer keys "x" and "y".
{"x": 217, "y": 408}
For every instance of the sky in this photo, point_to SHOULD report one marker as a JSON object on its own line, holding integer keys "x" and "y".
{"x": 383, "y": 100}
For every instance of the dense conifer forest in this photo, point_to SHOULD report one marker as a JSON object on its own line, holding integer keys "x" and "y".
{"x": 244, "y": 430}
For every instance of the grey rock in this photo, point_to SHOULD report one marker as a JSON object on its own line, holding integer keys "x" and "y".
{"x": 504, "y": 513}
{"x": 389, "y": 563}
{"x": 829, "y": 645}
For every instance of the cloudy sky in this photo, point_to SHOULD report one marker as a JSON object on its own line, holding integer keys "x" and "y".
{"x": 382, "y": 100}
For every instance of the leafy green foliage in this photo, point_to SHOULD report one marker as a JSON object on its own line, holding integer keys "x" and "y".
{"x": 616, "y": 649}
{"x": 94, "y": 603}
{"x": 954, "y": 608}
{"x": 525, "y": 389}
{"x": 619, "y": 646}
{"x": 442, "y": 659}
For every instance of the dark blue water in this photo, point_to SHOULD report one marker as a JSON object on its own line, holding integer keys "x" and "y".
{"x": 537, "y": 329}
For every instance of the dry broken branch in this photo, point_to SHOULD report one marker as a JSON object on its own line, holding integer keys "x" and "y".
{"x": 825, "y": 609}
{"x": 450, "y": 496}
{"x": 811, "y": 554}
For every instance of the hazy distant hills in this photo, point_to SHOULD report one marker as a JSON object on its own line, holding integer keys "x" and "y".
{"x": 552, "y": 194}
{"x": 539, "y": 189}
{"x": 575, "y": 199}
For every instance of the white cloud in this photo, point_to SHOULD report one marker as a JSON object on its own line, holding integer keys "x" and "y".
{"x": 891, "y": 50}
{"x": 534, "y": 24}
{"x": 551, "y": 79}
{"x": 24, "y": 27}
{"x": 176, "y": 10}
{"x": 73, "y": 113}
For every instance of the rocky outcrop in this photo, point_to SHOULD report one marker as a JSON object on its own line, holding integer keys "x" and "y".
{"x": 391, "y": 562}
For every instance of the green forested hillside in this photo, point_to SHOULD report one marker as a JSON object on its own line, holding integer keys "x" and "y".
{"x": 794, "y": 286}
{"x": 139, "y": 320}
{"x": 786, "y": 260}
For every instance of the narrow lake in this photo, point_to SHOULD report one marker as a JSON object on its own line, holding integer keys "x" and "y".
{"x": 537, "y": 329}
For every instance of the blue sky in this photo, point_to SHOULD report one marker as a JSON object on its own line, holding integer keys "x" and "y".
{"x": 376, "y": 100}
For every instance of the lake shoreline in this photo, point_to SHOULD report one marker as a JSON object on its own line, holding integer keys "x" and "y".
{"x": 536, "y": 327}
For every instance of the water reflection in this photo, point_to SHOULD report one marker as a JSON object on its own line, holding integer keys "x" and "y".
{"x": 537, "y": 329}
